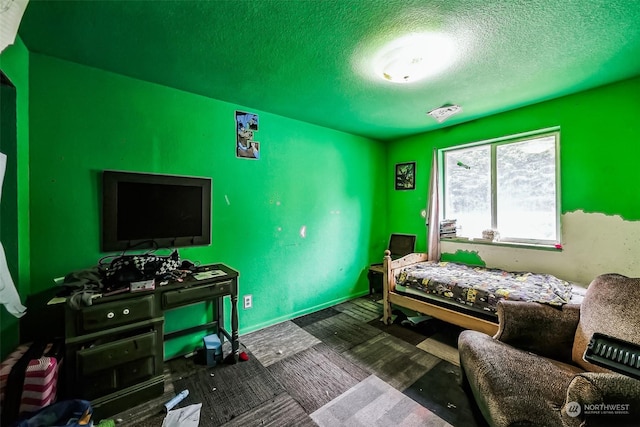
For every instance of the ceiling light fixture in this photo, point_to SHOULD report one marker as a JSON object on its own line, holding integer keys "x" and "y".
{"x": 443, "y": 113}
{"x": 414, "y": 57}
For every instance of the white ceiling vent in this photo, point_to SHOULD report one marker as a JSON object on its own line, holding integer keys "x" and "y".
{"x": 443, "y": 113}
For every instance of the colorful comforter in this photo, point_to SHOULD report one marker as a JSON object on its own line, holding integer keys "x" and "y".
{"x": 481, "y": 287}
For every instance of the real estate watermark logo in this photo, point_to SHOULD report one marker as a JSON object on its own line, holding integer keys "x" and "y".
{"x": 573, "y": 409}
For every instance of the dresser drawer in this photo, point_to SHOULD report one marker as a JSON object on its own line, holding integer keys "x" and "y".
{"x": 110, "y": 380}
{"x": 99, "y": 384}
{"x": 195, "y": 294}
{"x": 116, "y": 353}
{"x": 136, "y": 371}
{"x": 109, "y": 315}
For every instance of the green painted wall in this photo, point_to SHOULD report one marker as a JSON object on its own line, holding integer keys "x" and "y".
{"x": 599, "y": 166}
{"x": 337, "y": 187}
{"x": 328, "y": 183}
{"x": 14, "y": 219}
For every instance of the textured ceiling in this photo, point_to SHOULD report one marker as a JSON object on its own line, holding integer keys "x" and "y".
{"x": 309, "y": 60}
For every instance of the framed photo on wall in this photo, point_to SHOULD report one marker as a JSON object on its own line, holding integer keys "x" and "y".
{"x": 406, "y": 176}
{"x": 246, "y": 126}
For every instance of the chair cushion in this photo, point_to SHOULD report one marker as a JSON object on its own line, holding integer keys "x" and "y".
{"x": 512, "y": 386}
{"x": 610, "y": 307}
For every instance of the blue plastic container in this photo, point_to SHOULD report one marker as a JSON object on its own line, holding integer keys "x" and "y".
{"x": 213, "y": 349}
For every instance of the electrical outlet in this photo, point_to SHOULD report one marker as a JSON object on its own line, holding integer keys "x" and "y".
{"x": 248, "y": 301}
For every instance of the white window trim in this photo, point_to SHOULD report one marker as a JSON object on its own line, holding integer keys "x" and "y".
{"x": 494, "y": 142}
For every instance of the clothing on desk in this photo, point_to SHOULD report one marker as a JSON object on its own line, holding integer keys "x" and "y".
{"x": 81, "y": 286}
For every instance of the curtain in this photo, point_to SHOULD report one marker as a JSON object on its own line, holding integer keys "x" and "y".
{"x": 8, "y": 293}
{"x": 433, "y": 215}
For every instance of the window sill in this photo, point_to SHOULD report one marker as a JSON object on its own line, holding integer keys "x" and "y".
{"x": 503, "y": 244}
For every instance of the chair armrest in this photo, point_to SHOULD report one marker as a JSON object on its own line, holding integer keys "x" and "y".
{"x": 604, "y": 399}
{"x": 539, "y": 328}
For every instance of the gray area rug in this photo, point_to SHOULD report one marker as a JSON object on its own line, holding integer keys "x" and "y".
{"x": 441, "y": 350}
{"x": 230, "y": 391}
{"x": 342, "y": 332}
{"x": 278, "y": 342}
{"x": 337, "y": 366}
{"x": 283, "y": 411}
{"x": 362, "y": 309}
{"x": 413, "y": 336}
{"x": 392, "y": 359}
{"x": 315, "y": 376}
{"x": 439, "y": 390}
{"x": 373, "y": 402}
{"x": 308, "y": 319}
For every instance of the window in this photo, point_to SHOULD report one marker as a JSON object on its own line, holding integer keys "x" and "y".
{"x": 509, "y": 185}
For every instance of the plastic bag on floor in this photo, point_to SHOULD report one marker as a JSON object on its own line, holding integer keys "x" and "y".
{"x": 66, "y": 413}
{"x": 183, "y": 417}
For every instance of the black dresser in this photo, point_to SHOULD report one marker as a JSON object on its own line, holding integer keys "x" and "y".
{"x": 114, "y": 348}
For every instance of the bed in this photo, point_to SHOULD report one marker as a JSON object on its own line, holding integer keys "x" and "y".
{"x": 464, "y": 295}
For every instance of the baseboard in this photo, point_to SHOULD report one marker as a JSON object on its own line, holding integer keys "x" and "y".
{"x": 253, "y": 328}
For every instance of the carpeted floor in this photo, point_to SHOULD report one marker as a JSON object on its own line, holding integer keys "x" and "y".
{"x": 337, "y": 367}
{"x": 373, "y": 402}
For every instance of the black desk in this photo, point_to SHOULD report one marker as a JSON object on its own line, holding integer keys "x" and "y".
{"x": 192, "y": 291}
{"x": 114, "y": 350}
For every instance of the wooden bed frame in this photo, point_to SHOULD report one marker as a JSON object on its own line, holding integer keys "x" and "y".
{"x": 390, "y": 296}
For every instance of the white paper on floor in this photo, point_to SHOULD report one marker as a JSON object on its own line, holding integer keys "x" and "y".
{"x": 188, "y": 416}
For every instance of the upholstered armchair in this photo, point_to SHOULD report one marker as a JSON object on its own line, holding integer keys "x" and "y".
{"x": 532, "y": 372}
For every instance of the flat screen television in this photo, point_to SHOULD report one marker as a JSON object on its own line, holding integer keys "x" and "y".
{"x": 143, "y": 210}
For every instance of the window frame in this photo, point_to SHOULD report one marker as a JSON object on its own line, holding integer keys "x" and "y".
{"x": 494, "y": 143}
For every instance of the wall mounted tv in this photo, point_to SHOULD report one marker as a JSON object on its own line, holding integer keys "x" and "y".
{"x": 143, "y": 210}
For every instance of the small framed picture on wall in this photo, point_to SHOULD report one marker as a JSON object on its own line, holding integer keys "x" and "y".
{"x": 246, "y": 126}
{"x": 406, "y": 176}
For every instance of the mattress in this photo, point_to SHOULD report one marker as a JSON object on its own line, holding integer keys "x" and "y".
{"x": 481, "y": 288}
{"x": 447, "y": 303}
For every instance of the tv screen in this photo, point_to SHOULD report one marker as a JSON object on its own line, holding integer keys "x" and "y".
{"x": 142, "y": 210}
